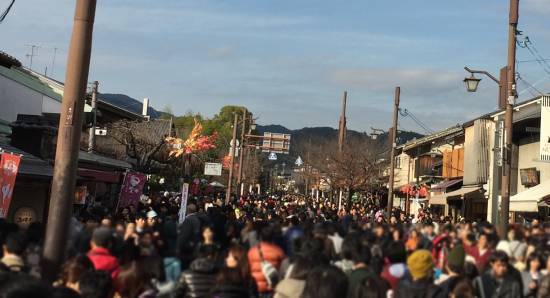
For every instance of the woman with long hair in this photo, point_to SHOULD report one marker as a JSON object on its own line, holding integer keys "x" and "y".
{"x": 133, "y": 281}
{"x": 532, "y": 276}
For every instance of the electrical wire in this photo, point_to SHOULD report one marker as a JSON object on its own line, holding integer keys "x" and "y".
{"x": 5, "y": 13}
{"x": 529, "y": 86}
{"x": 405, "y": 113}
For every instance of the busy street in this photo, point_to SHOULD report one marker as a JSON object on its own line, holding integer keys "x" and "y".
{"x": 274, "y": 149}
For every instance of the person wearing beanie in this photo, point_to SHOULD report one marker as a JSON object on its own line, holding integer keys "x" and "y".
{"x": 454, "y": 269}
{"x": 418, "y": 283}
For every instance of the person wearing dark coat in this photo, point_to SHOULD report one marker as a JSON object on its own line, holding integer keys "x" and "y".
{"x": 200, "y": 278}
{"x": 499, "y": 281}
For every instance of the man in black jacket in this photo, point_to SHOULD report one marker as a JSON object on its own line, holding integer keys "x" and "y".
{"x": 499, "y": 281}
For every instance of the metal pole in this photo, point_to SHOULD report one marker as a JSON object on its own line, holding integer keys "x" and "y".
{"x": 68, "y": 139}
{"x": 240, "y": 174}
{"x": 232, "y": 163}
{"x": 91, "y": 134}
{"x": 508, "y": 117}
{"x": 393, "y": 135}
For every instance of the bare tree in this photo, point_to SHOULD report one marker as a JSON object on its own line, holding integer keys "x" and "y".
{"x": 143, "y": 140}
{"x": 355, "y": 169}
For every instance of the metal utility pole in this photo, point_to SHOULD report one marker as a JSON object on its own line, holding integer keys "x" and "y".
{"x": 342, "y": 124}
{"x": 32, "y": 54}
{"x": 232, "y": 162}
{"x": 91, "y": 134}
{"x": 508, "y": 117}
{"x": 68, "y": 139}
{"x": 240, "y": 174}
{"x": 393, "y": 135}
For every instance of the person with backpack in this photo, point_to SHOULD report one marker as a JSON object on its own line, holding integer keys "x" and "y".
{"x": 265, "y": 260}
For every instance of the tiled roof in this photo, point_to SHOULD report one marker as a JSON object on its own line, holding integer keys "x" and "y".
{"x": 27, "y": 79}
{"x": 30, "y": 165}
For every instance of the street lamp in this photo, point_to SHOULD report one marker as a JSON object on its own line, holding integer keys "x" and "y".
{"x": 471, "y": 83}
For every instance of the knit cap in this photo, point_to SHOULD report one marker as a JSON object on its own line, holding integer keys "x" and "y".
{"x": 420, "y": 263}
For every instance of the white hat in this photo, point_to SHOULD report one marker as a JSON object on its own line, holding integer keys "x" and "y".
{"x": 151, "y": 214}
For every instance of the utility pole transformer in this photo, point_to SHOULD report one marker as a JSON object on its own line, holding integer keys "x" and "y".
{"x": 91, "y": 135}
{"x": 508, "y": 117}
{"x": 68, "y": 139}
{"x": 393, "y": 136}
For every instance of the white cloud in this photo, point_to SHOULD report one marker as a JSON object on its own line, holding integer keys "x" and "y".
{"x": 221, "y": 52}
{"x": 535, "y": 6}
{"x": 416, "y": 81}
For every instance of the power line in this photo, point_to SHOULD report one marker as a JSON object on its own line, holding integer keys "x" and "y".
{"x": 5, "y": 13}
{"x": 405, "y": 113}
{"x": 529, "y": 86}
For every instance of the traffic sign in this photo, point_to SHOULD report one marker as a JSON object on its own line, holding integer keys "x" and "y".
{"x": 299, "y": 161}
{"x": 272, "y": 156}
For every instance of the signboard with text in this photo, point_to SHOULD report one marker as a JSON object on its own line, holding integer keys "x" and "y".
{"x": 183, "y": 205}
{"x": 276, "y": 142}
{"x": 9, "y": 166}
{"x": 212, "y": 169}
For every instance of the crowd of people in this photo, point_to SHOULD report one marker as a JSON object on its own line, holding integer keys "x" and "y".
{"x": 283, "y": 247}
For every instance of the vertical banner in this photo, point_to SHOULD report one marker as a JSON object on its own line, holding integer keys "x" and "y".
{"x": 131, "y": 190}
{"x": 9, "y": 165}
{"x": 545, "y": 128}
{"x": 80, "y": 195}
{"x": 183, "y": 206}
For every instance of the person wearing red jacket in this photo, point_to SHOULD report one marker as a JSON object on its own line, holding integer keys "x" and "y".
{"x": 99, "y": 253}
{"x": 271, "y": 253}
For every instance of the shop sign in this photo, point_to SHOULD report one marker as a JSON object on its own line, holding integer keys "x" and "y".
{"x": 132, "y": 189}
{"x": 212, "y": 169}
{"x": 80, "y": 195}
{"x": 183, "y": 205}
{"x": 9, "y": 165}
{"x": 24, "y": 216}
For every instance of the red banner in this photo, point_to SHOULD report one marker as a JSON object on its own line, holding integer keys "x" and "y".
{"x": 132, "y": 188}
{"x": 9, "y": 165}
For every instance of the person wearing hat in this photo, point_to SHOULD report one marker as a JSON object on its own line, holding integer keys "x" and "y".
{"x": 454, "y": 269}
{"x": 419, "y": 282}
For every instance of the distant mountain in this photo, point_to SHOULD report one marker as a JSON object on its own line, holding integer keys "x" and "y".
{"x": 316, "y": 134}
{"x": 128, "y": 103}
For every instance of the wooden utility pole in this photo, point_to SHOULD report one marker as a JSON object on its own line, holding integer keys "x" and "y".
{"x": 342, "y": 124}
{"x": 241, "y": 159}
{"x": 232, "y": 162}
{"x": 508, "y": 117}
{"x": 393, "y": 136}
{"x": 91, "y": 134}
{"x": 68, "y": 139}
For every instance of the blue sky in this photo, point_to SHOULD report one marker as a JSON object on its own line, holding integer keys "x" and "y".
{"x": 290, "y": 60}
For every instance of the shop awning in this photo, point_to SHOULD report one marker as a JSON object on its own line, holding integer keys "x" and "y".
{"x": 529, "y": 200}
{"x": 445, "y": 184}
{"x": 438, "y": 199}
{"x": 103, "y": 176}
{"x": 464, "y": 191}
